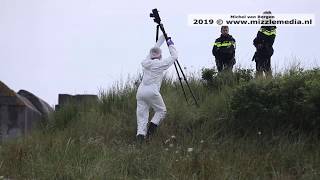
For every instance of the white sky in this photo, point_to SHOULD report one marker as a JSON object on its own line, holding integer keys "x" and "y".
{"x": 80, "y": 46}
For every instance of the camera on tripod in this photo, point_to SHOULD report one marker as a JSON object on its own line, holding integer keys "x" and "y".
{"x": 156, "y": 16}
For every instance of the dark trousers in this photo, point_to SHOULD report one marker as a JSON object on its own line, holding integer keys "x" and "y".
{"x": 225, "y": 64}
{"x": 263, "y": 65}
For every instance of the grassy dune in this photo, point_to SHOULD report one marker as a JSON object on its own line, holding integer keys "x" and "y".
{"x": 245, "y": 128}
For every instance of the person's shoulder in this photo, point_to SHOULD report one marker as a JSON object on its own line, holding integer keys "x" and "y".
{"x": 259, "y": 34}
{"x": 231, "y": 38}
{"x": 218, "y": 39}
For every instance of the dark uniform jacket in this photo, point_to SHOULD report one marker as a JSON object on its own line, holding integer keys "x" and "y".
{"x": 224, "y": 48}
{"x": 264, "y": 41}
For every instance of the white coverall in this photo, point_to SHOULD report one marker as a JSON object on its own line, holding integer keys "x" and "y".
{"x": 148, "y": 94}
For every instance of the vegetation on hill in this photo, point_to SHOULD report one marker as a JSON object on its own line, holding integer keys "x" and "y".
{"x": 245, "y": 128}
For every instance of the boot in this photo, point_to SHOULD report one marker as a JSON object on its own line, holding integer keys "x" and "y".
{"x": 140, "y": 139}
{"x": 152, "y": 129}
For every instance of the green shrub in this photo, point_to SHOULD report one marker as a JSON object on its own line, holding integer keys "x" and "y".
{"x": 283, "y": 104}
{"x": 215, "y": 80}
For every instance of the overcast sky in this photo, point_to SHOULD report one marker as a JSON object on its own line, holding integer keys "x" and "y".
{"x": 80, "y": 46}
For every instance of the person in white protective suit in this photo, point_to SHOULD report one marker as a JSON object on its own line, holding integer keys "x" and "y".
{"x": 148, "y": 94}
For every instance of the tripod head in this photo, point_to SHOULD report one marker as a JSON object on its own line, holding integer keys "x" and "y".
{"x": 155, "y": 16}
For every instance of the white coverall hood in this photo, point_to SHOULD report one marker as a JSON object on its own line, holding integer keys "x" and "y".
{"x": 155, "y": 53}
{"x": 153, "y": 69}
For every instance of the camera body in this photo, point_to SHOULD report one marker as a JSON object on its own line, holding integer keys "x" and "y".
{"x": 156, "y": 16}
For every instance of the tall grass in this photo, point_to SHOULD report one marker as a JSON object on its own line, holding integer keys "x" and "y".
{"x": 229, "y": 136}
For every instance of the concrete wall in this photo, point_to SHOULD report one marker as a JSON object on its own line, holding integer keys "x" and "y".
{"x": 20, "y": 112}
{"x": 44, "y": 108}
{"x": 16, "y": 121}
{"x": 17, "y": 114}
{"x": 64, "y": 99}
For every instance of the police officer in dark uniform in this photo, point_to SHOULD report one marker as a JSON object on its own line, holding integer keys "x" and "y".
{"x": 224, "y": 50}
{"x": 264, "y": 50}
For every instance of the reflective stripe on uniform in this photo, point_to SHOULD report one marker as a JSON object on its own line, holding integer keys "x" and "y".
{"x": 224, "y": 44}
{"x": 267, "y": 32}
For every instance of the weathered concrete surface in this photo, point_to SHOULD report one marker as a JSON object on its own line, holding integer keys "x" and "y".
{"x": 20, "y": 112}
{"x": 64, "y": 99}
{"x": 17, "y": 114}
{"x": 43, "y": 107}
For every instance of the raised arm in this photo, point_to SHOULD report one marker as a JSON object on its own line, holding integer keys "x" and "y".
{"x": 167, "y": 62}
{"x": 160, "y": 41}
{"x": 173, "y": 51}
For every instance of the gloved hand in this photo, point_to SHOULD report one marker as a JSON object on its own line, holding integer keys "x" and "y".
{"x": 169, "y": 42}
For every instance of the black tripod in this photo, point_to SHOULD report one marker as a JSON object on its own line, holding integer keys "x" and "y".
{"x": 157, "y": 20}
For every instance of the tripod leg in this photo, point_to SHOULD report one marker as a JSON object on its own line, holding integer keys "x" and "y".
{"x": 157, "y": 33}
{"x": 195, "y": 100}
{"x": 184, "y": 92}
{"x": 185, "y": 79}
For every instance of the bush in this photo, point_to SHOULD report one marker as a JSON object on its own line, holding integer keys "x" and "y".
{"x": 216, "y": 80}
{"x": 284, "y": 104}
